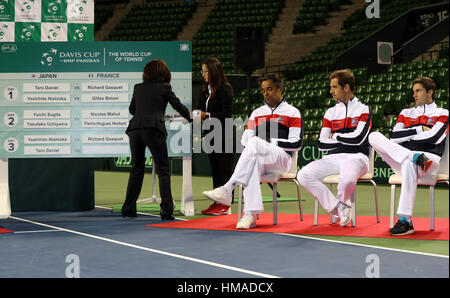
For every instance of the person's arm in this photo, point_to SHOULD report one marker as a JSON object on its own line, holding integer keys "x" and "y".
{"x": 400, "y": 134}
{"x": 436, "y": 134}
{"x": 325, "y": 143}
{"x": 359, "y": 135}
{"x": 250, "y": 130}
{"x": 132, "y": 107}
{"x": 176, "y": 103}
{"x": 295, "y": 136}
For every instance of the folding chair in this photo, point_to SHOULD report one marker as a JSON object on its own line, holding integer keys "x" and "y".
{"x": 441, "y": 176}
{"x": 334, "y": 179}
{"x": 275, "y": 178}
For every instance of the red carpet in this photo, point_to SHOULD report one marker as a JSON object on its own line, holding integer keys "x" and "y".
{"x": 2, "y": 230}
{"x": 366, "y": 226}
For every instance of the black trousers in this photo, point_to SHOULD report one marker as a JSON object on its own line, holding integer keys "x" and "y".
{"x": 155, "y": 140}
{"x": 222, "y": 166}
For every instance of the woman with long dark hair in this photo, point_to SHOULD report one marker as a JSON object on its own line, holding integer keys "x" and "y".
{"x": 216, "y": 101}
{"x": 147, "y": 129}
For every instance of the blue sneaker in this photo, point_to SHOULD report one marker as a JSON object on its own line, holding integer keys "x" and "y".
{"x": 422, "y": 161}
{"x": 402, "y": 227}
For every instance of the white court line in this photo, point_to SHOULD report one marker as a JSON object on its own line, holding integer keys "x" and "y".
{"x": 37, "y": 231}
{"x": 152, "y": 250}
{"x": 365, "y": 245}
{"x": 334, "y": 241}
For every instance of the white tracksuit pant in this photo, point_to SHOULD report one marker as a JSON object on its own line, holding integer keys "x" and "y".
{"x": 349, "y": 166}
{"x": 257, "y": 158}
{"x": 400, "y": 159}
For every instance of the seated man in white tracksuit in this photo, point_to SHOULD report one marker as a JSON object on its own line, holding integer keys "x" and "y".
{"x": 344, "y": 133}
{"x": 414, "y": 149}
{"x": 273, "y": 133}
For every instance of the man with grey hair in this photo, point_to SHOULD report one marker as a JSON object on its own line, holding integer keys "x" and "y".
{"x": 272, "y": 135}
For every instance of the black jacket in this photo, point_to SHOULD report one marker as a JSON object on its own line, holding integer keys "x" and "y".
{"x": 221, "y": 107}
{"x": 149, "y": 103}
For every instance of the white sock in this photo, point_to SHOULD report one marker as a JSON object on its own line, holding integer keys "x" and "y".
{"x": 408, "y": 217}
{"x": 229, "y": 187}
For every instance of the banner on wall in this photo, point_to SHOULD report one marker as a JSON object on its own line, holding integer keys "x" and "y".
{"x": 46, "y": 20}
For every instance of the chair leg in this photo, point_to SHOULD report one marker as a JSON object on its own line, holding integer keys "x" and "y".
{"x": 376, "y": 200}
{"x": 391, "y": 212}
{"x": 275, "y": 203}
{"x": 353, "y": 200}
{"x": 316, "y": 206}
{"x": 299, "y": 199}
{"x": 316, "y": 211}
{"x": 432, "y": 208}
{"x": 240, "y": 202}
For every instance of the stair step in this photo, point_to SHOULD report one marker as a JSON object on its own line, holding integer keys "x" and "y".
{"x": 284, "y": 47}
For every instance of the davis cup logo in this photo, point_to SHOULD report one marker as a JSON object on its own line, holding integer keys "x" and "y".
{"x": 80, "y": 33}
{"x": 3, "y": 31}
{"x": 3, "y": 6}
{"x": 78, "y": 7}
{"x": 184, "y": 47}
{"x": 27, "y": 6}
{"x": 54, "y": 7}
{"x": 27, "y": 32}
{"x": 53, "y": 32}
{"x": 48, "y": 58}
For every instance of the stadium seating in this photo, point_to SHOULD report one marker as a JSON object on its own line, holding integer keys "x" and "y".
{"x": 357, "y": 27}
{"x": 215, "y": 36}
{"x": 102, "y": 14}
{"x": 315, "y": 13}
{"x": 153, "y": 21}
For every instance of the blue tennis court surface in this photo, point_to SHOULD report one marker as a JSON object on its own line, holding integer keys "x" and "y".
{"x": 103, "y": 244}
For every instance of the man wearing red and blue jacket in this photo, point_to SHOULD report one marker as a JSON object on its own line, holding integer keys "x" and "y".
{"x": 415, "y": 148}
{"x": 344, "y": 133}
{"x": 272, "y": 135}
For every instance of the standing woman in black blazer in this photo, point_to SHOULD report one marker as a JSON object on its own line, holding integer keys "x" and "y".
{"x": 147, "y": 128}
{"x": 216, "y": 101}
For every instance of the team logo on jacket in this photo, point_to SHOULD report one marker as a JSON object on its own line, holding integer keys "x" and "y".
{"x": 281, "y": 120}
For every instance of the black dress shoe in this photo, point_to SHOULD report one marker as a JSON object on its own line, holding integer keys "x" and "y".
{"x": 128, "y": 213}
{"x": 166, "y": 215}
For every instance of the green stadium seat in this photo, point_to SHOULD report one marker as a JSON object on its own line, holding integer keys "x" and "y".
{"x": 307, "y": 113}
{"x": 391, "y": 120}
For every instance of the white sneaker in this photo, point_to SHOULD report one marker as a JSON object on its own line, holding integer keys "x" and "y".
{"x": 219, "y": 195}
{"x": 345, "y": 214}
{"x": 334, "y": 217}
{"x": 247, "y": 221}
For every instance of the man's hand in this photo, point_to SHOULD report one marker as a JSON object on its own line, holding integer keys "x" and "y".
{"x": 425, "y": 128}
